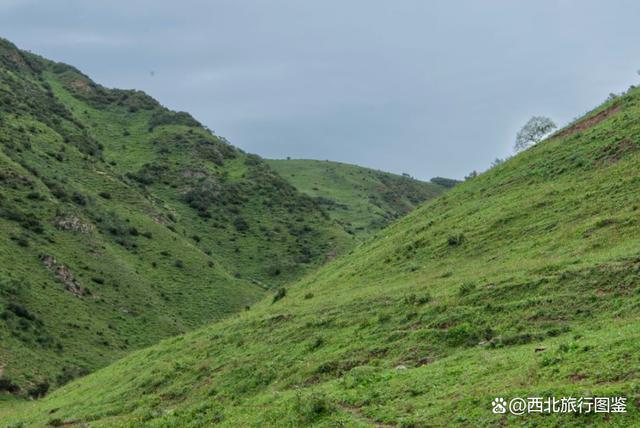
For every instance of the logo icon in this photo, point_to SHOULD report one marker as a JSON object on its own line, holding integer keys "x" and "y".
{"x": 499, "y": 405}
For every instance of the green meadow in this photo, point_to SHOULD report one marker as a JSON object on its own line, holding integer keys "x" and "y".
{"x": 521, "y": 282}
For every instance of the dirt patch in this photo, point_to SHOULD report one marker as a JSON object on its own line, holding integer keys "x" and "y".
{"x": 614, "y": 152}
{"x": 424, "y": 361}
{"x": 80, "y": 86}
{"x": 577, "y": 377}
{"x": 330, "y": 256}
{"x": 64, "y": 274}
{"x": 587, "y": 123}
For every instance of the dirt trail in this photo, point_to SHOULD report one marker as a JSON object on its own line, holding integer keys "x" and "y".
{"x": 587, "y": 123}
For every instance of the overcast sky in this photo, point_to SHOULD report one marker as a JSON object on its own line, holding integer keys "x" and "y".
{"x": 424, "y": 87}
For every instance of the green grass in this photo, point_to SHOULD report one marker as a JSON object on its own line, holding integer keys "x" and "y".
{"x": 520, "y": 282}
{"x": 156, "y": 225}
{"x": 363, "y": 200}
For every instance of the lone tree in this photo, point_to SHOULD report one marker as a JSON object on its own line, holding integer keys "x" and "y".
{"x": 533, "y": 131}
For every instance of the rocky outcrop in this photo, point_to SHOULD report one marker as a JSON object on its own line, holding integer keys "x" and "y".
{"x": 64, "y": 274}
{"x": 73, "y": 223}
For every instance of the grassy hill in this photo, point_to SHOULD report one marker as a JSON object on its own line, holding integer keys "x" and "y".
{"x": 363, "y": 200}
{"x": 522, "y": 282}
{"x": 122, "y": 222}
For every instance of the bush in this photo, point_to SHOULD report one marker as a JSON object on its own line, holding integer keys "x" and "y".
{"x": 312, "y": 407}
{"x": 463, "y": 334}
{"x": 35, "y": 196}
{"x": 148, "y": 174}
{"x": 22, "y": 241}
{"x": 179, "y": 264}
{"x": 79, "y": 198}
{"x": 455, "y": 240}
{"x": 466, "y": 288}
{"x": 444, "y": 182}
{"x": 413, "y": 299}
{"x": 40, "y": 390}
{"x": 105, "y": 195}
{"x": 280, "y": 293}
{"x": 8, "y": 386}
{"x": 167, "y": 117}
{"x": 21, "y": 311}
{"x": 240, "y": 224}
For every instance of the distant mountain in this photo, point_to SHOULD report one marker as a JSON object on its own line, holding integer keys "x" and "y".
{"x": 521, "y": 282}
{"x": 122, "y": 222}
{"x": 363, "y": 200}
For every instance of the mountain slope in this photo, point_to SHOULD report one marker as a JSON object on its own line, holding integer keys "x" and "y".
{"x": 363, "y": 200}
{"x": 122, "y": 222}
{"x": 522, "y": 282}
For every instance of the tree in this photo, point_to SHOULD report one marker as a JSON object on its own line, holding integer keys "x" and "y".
{"x": 472, "y": 174}
{"x": 444, "y": 182}
{"x": 496, "y": 162}
{"x": 533, "y": 132}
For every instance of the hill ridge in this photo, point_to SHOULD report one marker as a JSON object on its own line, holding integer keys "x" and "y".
{"x": 363, "y": 200}
{"x": 521, "y": 282}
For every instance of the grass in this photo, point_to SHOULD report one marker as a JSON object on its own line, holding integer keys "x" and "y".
{"x": 123, "y": 223}
{"x": 363, "y": 200}
{"x": 520, "y": 282}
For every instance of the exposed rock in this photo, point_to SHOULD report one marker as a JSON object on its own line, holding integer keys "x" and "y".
{"x": 190, "y": 173}
{"x": 63, "y": 273}
{"x": 80, "y": 86}
{"x": 73, "y": 223}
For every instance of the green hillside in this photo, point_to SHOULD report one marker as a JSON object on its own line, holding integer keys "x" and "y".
{"x": 522, "y": 282}
{"x": 363, "y": 200}
{"x": 123, "y": 222}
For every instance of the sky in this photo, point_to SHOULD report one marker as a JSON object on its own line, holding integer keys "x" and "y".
{"x": 428, "y": 88}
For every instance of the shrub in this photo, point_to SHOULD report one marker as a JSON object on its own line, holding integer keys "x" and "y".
{"x": 413, "y": 299}
{"x": 316, "y": 343}
{"x": 455, "y": 240}
{"x": 166, "y": 117}
{"x": 79, "y": 198}
{"x": 312, "y": 407}
{"x": 240, "y": 224}
{"x": 21, "y": 311}
{"x": 148, "y": 174}
{"x": 105, "y": 195}
{"x": 280, "y": 293}
{"x": 466, "y": 288}
{"x": 22, "y": 241}
{"x": 40, "y": 390}
{"x": 8, "y": 386}
{"x": 179, "y": 264}
{"x": 444, "y": 182}
{"x": 35, "y": 196}
{"x": 463, "y": 334}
